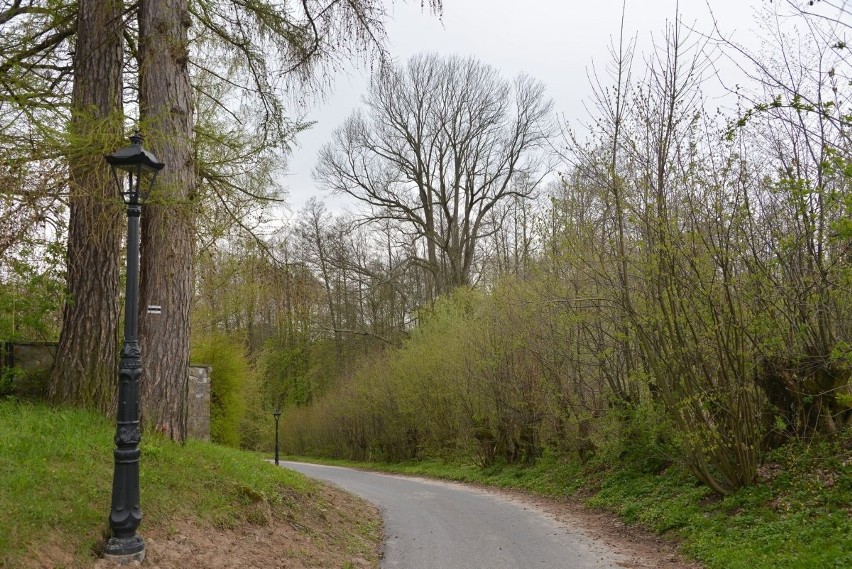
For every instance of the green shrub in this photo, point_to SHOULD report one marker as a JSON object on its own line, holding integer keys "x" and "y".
{"x": 230, "y": 377}
{"x": 640, "y": 435}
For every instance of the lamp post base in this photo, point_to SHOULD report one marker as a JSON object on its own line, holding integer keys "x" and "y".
{"x": 125, "y": 550}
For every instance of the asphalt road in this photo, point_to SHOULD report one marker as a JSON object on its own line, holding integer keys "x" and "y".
{"x": 439, "y": 525}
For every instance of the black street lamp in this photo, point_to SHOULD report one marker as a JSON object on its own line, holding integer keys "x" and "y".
{"x": 277, "y": 415}
{"x": 134, "y": 170}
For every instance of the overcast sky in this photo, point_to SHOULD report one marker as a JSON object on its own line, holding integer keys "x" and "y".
{"x": 554, "y": 41}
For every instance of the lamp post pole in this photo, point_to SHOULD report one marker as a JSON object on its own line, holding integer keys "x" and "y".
{"x": 277, "y": 415}
{"x": 124, "y": 546}
{"x": 126, "y": 514}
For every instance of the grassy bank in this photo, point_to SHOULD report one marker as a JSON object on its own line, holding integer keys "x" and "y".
{"x": 56, "y": 476}
{"x": 798, "y": 515}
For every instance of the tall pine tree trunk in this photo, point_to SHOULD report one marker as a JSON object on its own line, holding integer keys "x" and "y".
{"x": 86, "y": 363}
{"x": 167, "y": 221}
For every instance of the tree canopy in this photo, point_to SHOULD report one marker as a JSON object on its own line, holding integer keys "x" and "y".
{"x": 440, "y": 143}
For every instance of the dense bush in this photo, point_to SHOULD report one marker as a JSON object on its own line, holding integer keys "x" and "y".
{"x": 231, "y": 379}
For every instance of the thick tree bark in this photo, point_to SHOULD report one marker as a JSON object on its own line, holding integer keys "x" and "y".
{"x": 167, "y": 222}
{"x": 86, "y": 363}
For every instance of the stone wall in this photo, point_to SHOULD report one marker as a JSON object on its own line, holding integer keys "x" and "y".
{"x": 25, "y": 366}
{"x": 198, "y": 403}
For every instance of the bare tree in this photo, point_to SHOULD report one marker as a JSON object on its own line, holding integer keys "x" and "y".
{"x": 265, "y": 51}
{"x": 442, "y": 141}
{"x": 244, "y": 34}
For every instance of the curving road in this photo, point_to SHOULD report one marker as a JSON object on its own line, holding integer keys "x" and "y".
{"x": 439, "y": 525}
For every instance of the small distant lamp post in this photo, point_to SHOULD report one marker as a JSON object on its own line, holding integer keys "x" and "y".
{"x": 277, "y": 415}
{"x": 134, "y": 170}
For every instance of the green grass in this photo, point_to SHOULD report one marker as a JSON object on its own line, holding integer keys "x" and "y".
{"x": 56, "y": 475}
{"x": 799, "y": 516}
{"x": 802, "y": 517}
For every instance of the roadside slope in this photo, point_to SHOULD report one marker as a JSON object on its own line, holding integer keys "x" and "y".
{"x": 204, "y": 505}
